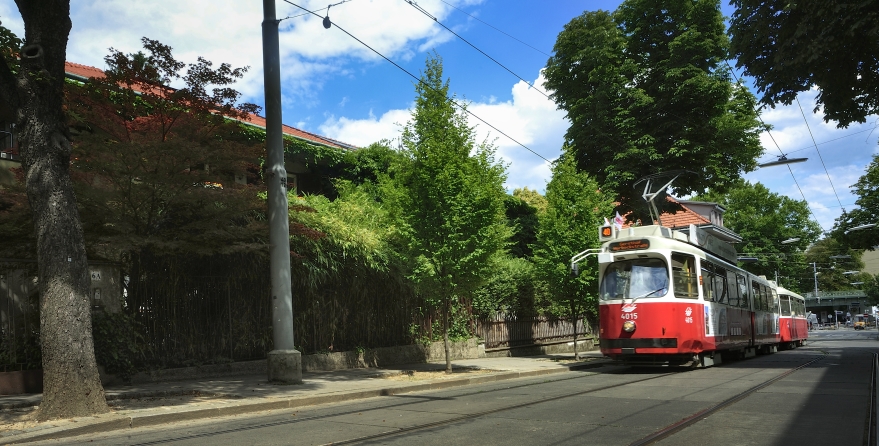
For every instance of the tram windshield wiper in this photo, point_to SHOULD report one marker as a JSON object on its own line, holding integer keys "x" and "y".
{"x": 646, "y": 295}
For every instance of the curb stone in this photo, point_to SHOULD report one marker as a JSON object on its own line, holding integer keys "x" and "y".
{"x": 240, "y": 405}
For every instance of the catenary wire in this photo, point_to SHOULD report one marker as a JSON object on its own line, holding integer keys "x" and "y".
{"x": 496, "y": 29}
{"x": 815, "y": 217}
{"x": 461, "y": 107}
{"x": 431, "y": 16}
{"x": 837, "y": 138}
{"x": 819, "y": 154}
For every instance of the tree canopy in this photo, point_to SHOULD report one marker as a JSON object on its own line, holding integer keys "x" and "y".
{"x": 575, "y": 210}
{"x": 867, "y": 211}
{"x": 765, "y": 219}
{"x": 452, "y": 196}
{"x": 646, "y": 91}
{"x": 788, "y": 47}
{"x": 155, "y": 164}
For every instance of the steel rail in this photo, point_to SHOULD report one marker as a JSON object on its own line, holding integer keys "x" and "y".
{"x": 698, "y": 416}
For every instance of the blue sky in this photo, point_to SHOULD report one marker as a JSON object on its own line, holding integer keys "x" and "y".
{"x": 334, "y": 86}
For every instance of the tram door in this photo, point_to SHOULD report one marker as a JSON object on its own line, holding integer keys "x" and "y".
{"x": 789, "y": 306}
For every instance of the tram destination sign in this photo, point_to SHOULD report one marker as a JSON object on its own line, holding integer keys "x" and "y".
{"x": 629, "y": 245}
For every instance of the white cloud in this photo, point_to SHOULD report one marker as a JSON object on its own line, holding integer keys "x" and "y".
{"x": 362, "y": 132}
{"x": 825, "y": 180}
{"x": 529, "y": 118}
{"x": 230, "y": 31}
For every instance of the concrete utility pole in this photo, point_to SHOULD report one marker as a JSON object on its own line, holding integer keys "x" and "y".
{"x": 284, "y": 362}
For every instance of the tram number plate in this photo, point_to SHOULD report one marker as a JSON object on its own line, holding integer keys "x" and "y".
{"x": 629, "y": 316}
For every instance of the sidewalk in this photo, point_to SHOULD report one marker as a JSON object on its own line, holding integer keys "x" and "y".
{"x": 165, "y": 402}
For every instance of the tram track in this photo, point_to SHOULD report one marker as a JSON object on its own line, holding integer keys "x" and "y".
{"x": 661, "y": 434}
{"x": 698, "y": 416}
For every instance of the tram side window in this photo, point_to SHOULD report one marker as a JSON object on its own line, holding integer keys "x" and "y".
{"x": 785, "y": 305}
{"x": 732, "y": 289}
{"x": 743, "y": 287}
{"x": 774, "y": 296}
{"x": 759, "y": 296}
{"x": 714, "y": 283}
{"x": 800, "y": 307}
{"x": 684, "y": 276}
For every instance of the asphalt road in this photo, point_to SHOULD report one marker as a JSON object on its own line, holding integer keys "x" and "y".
{"x": 820, "y": 395}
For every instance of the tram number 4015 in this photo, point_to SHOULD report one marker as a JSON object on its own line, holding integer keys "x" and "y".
{"x": 629, "y": 316}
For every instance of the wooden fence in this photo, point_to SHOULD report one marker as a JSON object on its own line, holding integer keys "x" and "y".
{"x": 509, "y": 331}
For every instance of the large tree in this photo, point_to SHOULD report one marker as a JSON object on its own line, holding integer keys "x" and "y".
{"x": 33, "y": 89}
{"x": 867, "y": 212}
{"x": 790, "y": 46}
{"x": 646, "y": 91}
{"x": 452, "y": 198}
{"x": 764, "y": 220}
{"x": 831, "y": 260}
{"x": 575, "y": 210}
{"x": 162, "y": 166}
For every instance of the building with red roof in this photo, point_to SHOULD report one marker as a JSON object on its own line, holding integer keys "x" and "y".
{"x": 300, "y": 176}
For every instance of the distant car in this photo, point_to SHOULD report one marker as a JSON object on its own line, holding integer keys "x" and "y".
{"x": 860, "y": 321}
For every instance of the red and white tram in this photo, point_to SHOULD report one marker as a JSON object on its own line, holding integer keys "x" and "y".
{"x": 793, "y": 325}
{"x": 677, "y": 298}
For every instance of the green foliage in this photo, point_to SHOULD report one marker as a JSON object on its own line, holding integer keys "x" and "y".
{"x": 871, "y": 288}
{"x": 509, "y": 288}
{"x": 647, "y": 91}
{"x": 764, "y": 219}
{"x": 867, "y": 212}
{"x": 450, "y": 196}
{"x": 156, "y": 165}
{"x": 789, "y": 47}
{"x": 10, "y": 46}
{"x": 118, "y": 343}
{"x": 353, "y": 228}
{"x": 576, "y": 208}
{"x": 832, "y": 259}
{"x": 522, "y": 218}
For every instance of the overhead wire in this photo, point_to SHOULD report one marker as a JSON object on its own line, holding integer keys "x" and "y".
{"x": 835, "y": 139}
{"x": 424, "y": 11}
{"x": 777, "y": 146}
{"x": 819, "y": 154}
{"x": 461, "y": 107}
{"x": 496, "y": 29}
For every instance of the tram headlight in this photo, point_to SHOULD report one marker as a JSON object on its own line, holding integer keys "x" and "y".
{"x": 629, "y": 326}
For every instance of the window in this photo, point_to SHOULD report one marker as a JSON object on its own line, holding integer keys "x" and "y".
{"x": 714, "y": 282}
{"x": 634, "y": 279}
{"x": 734, "y": 291}
{"x": 684, "y": 276}
{"x": 785, "y": 305}
{"x": 745, "y": 301}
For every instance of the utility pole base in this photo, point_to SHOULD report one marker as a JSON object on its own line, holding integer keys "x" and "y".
{"x": 285, "y": 366}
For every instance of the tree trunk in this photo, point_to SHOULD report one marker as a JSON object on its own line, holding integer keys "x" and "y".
{"x": 71, "y": 383}
{"x": 446, "y": 333}
{"x": 575, "y": 319}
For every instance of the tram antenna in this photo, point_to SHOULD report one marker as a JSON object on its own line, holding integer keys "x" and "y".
{"x": 651, "y": 191}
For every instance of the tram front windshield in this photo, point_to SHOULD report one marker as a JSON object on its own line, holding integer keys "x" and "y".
{"x": 633, "y": 279}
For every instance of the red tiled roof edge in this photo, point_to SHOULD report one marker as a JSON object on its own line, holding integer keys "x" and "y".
{"x": 85, "y": 72}
{"x": 678, "y": 220}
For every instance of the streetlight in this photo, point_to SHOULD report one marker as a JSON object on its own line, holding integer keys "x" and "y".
{"x": 860, "y": 227}
{"x": 782, "y": 160}
{"x": 850, "y": 272}
{"x": 790, "y": 240}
